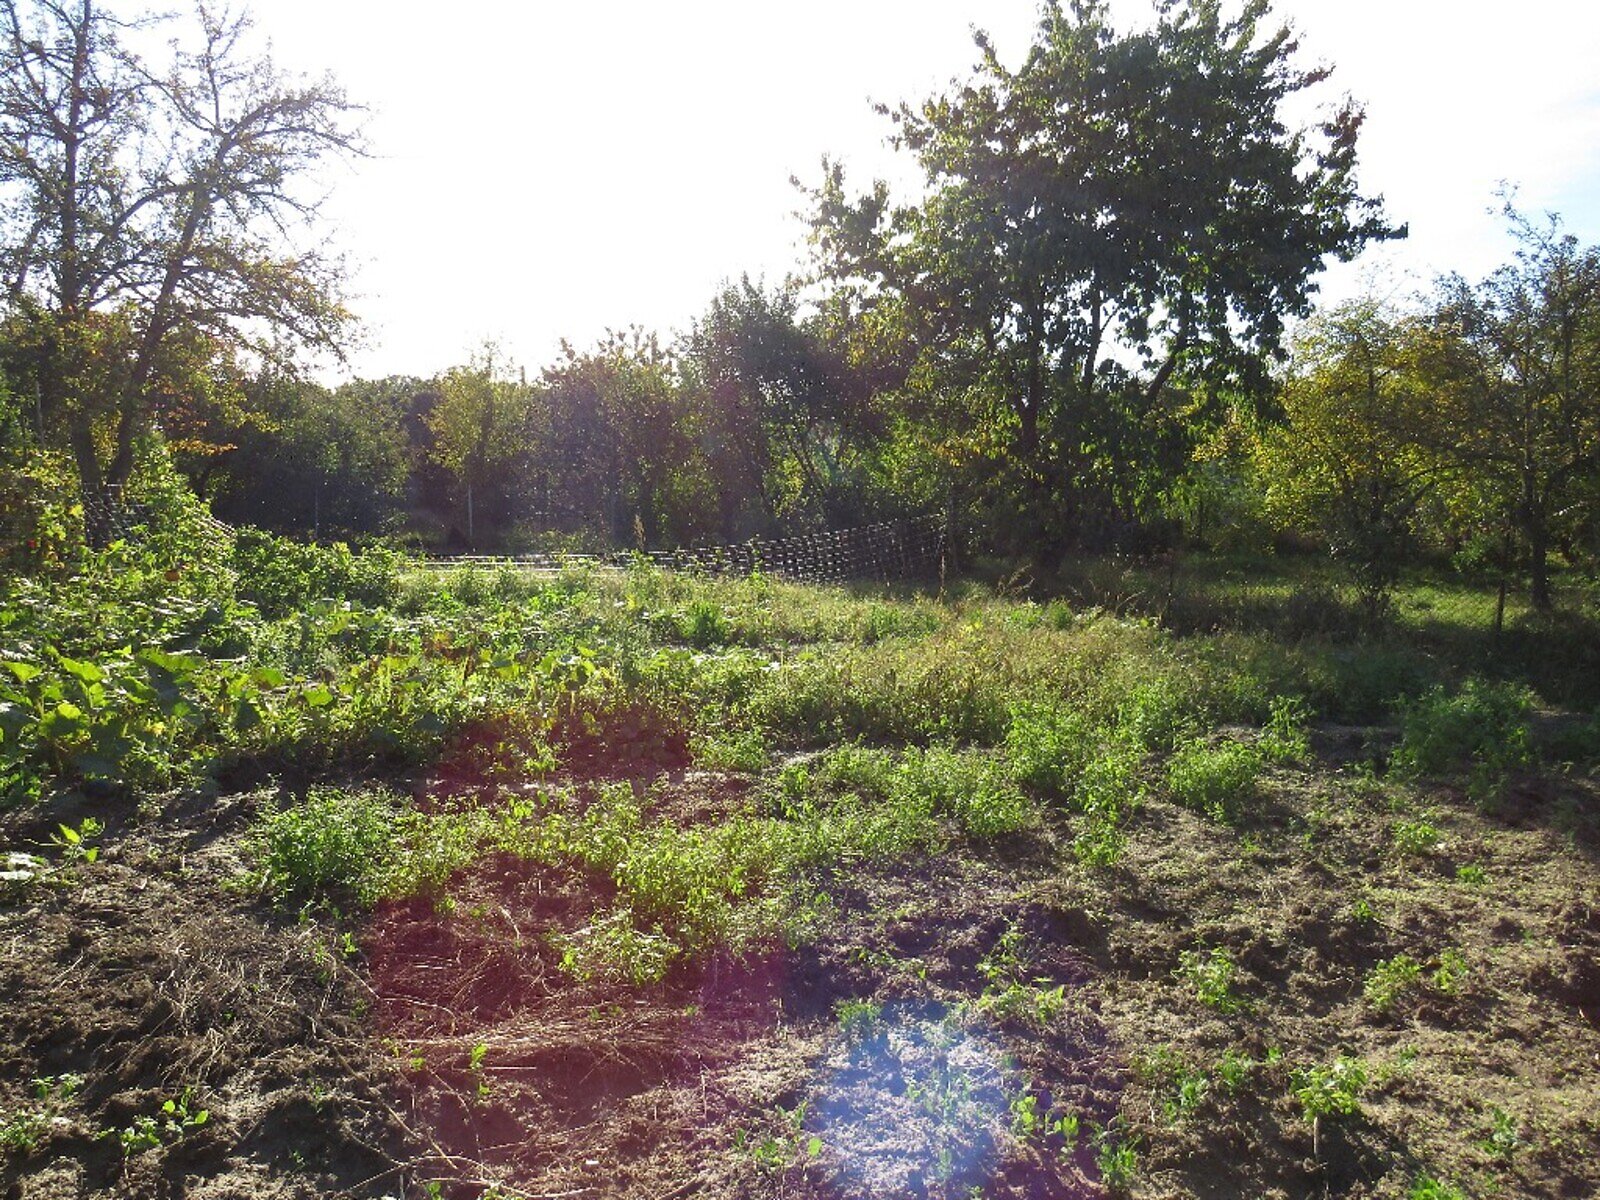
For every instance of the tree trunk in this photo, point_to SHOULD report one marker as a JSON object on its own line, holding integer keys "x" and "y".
{"x": 1538, "y": 565}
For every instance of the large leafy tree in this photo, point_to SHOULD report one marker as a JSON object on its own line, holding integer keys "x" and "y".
{"x": 147, "y": 211}
{"x": 1121, "y": 214}
{"x": 619, "y": 457}
{"x": 306, "y": 459}
{"x": 786, "y": 415}
{"x": 482, "y": 425}
{"x": 1360, "y": 449}
{"x": 1517, "y": 368}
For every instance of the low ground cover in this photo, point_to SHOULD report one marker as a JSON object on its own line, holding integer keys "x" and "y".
{"x": 381, "y": 881}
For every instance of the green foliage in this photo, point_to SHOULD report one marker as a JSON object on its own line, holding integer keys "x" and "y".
{"x": 859, "y": 1020}
{"x": 1284, "y": 738}
{"x": 1117, "y": 1157}
{"x": 1415, "y": 839}
{"x": 175, "y": 1119}
{"x": 1211, "y": 976}
{"x": 1035, "y": 214}
{"x": 1484, "y": 724}
{"x": 1426, "y": 1187}
{"x": 333, "y": 847}
{"x": 1216, "y": 780}
{"x": 1390, "y": 981}
{"x": 1333, "y": 1090}
{"x": 973, "y": 789}
{"x": 1451, "y": 973}
{"x": 1048, "y": 747}
{"x": 283, "y": 577}
{"x": 1357, "y": 455}
{"x": 705, "y": 625}
{"x": 1505, "y": 1136}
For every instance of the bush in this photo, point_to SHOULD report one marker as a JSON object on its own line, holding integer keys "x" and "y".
{"x": 1049, "y": 746}
{"x": 332, "y": 847}
{"x": 1485, "y": 723}
{"x": 1214, "y": 780}
{"x": 282, "y": 577}
{"x": 970, "y": 788}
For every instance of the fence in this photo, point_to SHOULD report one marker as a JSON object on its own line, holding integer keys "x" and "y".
{"x": 887, "y": 550}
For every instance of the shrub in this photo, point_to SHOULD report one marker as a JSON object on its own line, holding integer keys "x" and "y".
{"x": 1284, "y": 738}
{"x": 282, "y": 577}
{"x": 971, "y": 788}
{"x": 1155, "y": 714}
{"x": 331, "y": 847}
{"x": 1211, "y": 976}
{"x": 1214, "y": 780}
{"x": 1048, "y": 747}
{"x": 1333, "y": 1090}
{"x": 1485, "y": 723}
{"x": 705, "y": 625}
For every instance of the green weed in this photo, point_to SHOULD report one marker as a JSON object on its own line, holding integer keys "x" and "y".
{"x": 1329, "y": 1091}
{"x": 1284, "y": 738}
{"x": 783, "y": 1144}
{"x": 1484, "y": 724}
{"x": 859, "y": 1020}
{"x": 1117, "y": 1157}
{"x": 1049, "y": 746}
{"x": 1214, "y": 780}
{"x": 77, "y": 845}
{"x": 1415, "y": 839}
{"x": 1390, "y": 981}
{"x": 1211, "y": 977}
{"x": 23, "y": 1131}
{"x": 973, "y": 789}
{"x": 1029, "y": 1122}
{"x": 1426, "y": 1187}
{"x": 1504, "y": 1138}
{"x": 1010, "y": 993}
{"x": 175, "y": 1119}
{"x": 332, "y": 847}
{"x": 1451, "y": 973}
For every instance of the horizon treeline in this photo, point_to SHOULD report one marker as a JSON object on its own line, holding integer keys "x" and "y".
{"x": 1092, "y": 330}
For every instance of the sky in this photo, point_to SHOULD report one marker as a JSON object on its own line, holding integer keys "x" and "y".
{"x": 547, "y": 170}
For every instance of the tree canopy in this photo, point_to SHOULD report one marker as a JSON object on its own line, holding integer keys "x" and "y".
{"x": 147, "y": 213}
{"x": 1122, "y": 212}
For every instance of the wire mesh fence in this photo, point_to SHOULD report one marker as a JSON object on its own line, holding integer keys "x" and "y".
{"x": 882, "y": 551}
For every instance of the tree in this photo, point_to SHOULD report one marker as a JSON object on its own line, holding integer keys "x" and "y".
{"x": 1517, "y": 365}
{"x": 482, "y": 432}
{"x": 305, "y": 459}
{"x": 788, "y": 420}
{"x": 1121, "y": 213}
{"x": 1360, "y": 448}
{"x": 147, "y": 211}
{"x": 621, "y": 458}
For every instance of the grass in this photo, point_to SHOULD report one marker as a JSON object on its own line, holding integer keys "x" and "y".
{"x": 830, "y": 818}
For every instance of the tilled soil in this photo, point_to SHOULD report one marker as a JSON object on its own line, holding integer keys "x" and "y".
{"x": 440, "y": 1048}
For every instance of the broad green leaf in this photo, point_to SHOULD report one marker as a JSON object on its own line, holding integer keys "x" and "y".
{"x": 85, "y": 671}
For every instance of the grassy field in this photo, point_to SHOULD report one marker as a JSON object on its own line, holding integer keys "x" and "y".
{"x": 329, "y": 877}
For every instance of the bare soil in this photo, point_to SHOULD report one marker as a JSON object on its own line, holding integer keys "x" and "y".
{"x": 443, "y": 1047}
